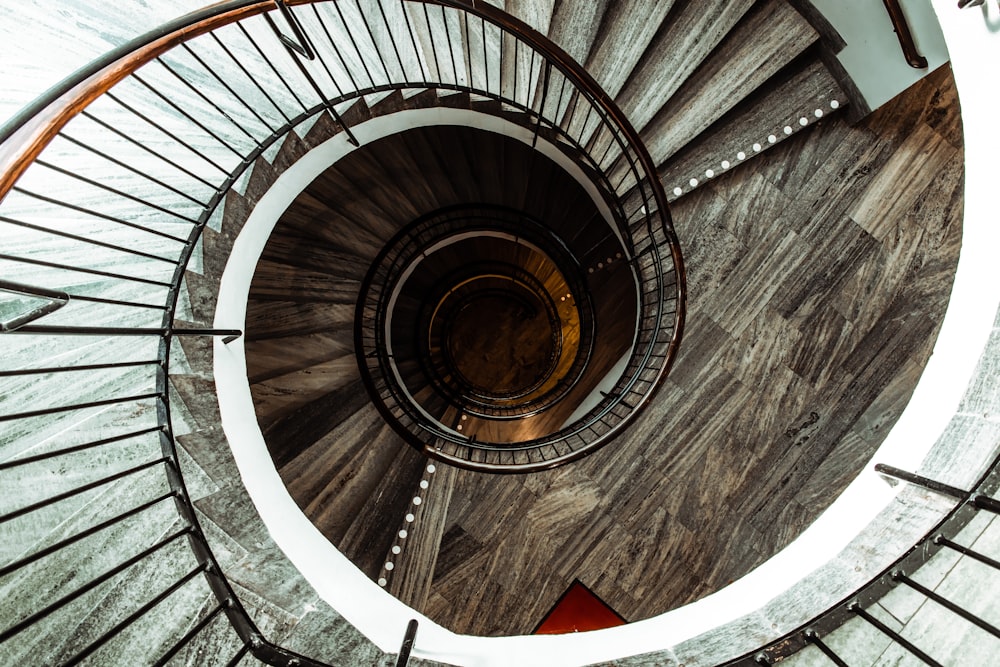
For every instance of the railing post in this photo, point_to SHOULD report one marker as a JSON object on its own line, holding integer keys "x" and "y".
{"x": 404, "y": 650}
{"x": 299, "y": 42}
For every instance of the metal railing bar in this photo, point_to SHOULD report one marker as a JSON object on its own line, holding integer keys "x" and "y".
{"x": 18, "y": 564}
{"x": 919, "y": 480}
{"x": 249, "y": 76}
{"x": 239, "y": 656}
{"x": 299, "y": 41}
{"x": 211, "y": 71}
{"x": 81, "y": 489}
{"x": 336, "y": 51}
{"x": 127, "y": 331}
{"x": 84, "y": 239}
{"x": 188, "y": 636}
{"x": 86, "y": 114}
{"x": 486, "y": 60}
{"x": 134, "y": 616}
{"x": 392, "y": 40}
{"x": 76, "y": 406}
{"x": 371, "y": 36}
{"x": 464, "y": 18}
{"x": 88, "y": 367}
{"x": 321, "y": 60}
{"x": 354, "y": 42}
{"x": 517, "y": 64}
{"x": 416, "y": 49}
{"x": 55, "y": 299}
{"x": 116, "y": 302}
{"x": 894, "y": 636}
{"x": 987, "y": 503}
{"x": 270, "y": 64}
{"x": 947, "y": 604}
{"x": 451, "y": 47}
{"x": 95, "y": 272}
{"x": 207, "y": 99}
{"x": 167, "y": 132}
{"x": 408, "y": 638}
{"x": 92, "y": 584}
{"x": 134, "y": 170}
{"x": 222, "y": 142}
{"x": 323, "y": 98}
{"x": 96, "y": 214}
{"x": 76, "y": 448}
{"x": 975, "y": 555}
{"x": 430, "y": 34}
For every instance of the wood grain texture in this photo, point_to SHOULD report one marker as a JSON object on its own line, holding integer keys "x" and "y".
{"x": 767, "y": 38}
{"x": 816, "y": 278}
{"x": 805, "y": 336}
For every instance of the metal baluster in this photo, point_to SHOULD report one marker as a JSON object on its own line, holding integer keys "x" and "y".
{"x": 115, "y": 191}
{"x": 354, "y": 43}
{"x": 323, "y": 99}
{"x": 96, "y": 214}
{"x": 191, "y": 118}
{"x": 94, "y": 272}
{"x": 87, "y": 445}
{"x": 371, "y": 35}
{"x": 451, "y": 48}
{"x": 322, "y": 61}
{"x": 209, "y": 101}
{"x": 215, "y": 75}
{"x": 170, "y": 134}
{"x": 94, "y": 583}
{"x": 416, "y": 49}
{"x": 251, "y": 77}
{"x": 134, "y": 170}
{"x": 260, "y": 52}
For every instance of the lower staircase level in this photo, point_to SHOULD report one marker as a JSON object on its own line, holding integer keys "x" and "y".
{"x": 818, "y": 272}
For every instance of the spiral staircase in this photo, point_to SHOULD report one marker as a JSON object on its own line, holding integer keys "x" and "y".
{"x": 130, "y": 532}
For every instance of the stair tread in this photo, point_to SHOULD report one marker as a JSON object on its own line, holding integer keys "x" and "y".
{"x": 271, "y": 280}
{"x": 764, "y": 41}
{"x": 280, "y": 319}
{"x": 689, "y": 35}
{"x": 267, "y": 359}
{"x": 281, "y": 395}
{"x": 414, "y": 568}
{"x": 626, "y": 29}
{"x": 752, "y": 122}
{"x": 291, "y": 432}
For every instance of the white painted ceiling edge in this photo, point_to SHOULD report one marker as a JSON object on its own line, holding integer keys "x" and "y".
{"x": 965, "y": 331}
{"x": 873, "y": 57}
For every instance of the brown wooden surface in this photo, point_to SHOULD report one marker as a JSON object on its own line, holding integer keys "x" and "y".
{"x": 818, "y": 273}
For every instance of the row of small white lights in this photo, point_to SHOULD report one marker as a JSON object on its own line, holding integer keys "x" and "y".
{"x": 757, "y": 147}
{"x": 404, "y": 532}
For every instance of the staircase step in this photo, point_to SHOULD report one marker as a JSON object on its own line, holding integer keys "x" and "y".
{"x": 575, "y": 26}
{"x": 689, "y": 35}
{"x": 763, "y": 120}
{"x": 626, "y": 30}
{"x": 289, "y": 433}
{"x": 271, "y": 358}
{"x": 277, "y": 397}
{"x": 280, "y": 319}
{"x": 313, "y": 254}
{"x": 413, "y": 570}
{"x": 271, "y": 281}
{"x": 766, "y": 39}
{"x": 372, "y": 530}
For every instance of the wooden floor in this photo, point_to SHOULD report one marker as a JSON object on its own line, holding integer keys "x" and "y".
{"x": 818, "y": 275}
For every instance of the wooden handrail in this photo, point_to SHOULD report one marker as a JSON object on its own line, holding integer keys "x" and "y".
{"x": 24, "y": 137}
{"x": 902, "y": 30}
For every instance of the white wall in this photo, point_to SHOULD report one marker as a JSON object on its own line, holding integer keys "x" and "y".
{"x": 873, "y": 57}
